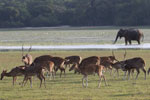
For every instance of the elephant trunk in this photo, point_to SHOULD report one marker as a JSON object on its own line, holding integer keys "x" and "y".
{"x": 116, "y": 39}
{"x": 142, "y": 37}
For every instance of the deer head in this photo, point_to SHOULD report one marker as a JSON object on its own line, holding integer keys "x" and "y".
{"x": 27, "y": 58}
{"x": 75, "y": 67}
{"x": 3, "y": 74}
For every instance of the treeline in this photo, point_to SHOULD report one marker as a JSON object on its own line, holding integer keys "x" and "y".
{"x": 45, "y": 13}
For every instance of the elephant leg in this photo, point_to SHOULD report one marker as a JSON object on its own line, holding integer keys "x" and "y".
{"x": 138, "y": 41}
{"x": 130, "y": 42}
{"x": 126, "y": 41}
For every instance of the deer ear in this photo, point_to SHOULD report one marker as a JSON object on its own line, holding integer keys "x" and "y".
{"x": 4, "y": 70}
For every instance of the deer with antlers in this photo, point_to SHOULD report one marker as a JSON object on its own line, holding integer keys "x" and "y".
{"x": 129, "y": 65}
{"x": 136, "y": 63}
{"x": 27, "y": 58}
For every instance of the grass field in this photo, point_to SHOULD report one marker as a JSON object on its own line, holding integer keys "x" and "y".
{"x": 70, "y": 87}
{"x": 63, "y": 35}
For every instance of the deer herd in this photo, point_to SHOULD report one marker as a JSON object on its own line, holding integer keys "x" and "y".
{"x": 88, "y": 66}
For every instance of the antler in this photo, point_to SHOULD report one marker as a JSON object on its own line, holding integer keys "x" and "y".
{"x": 125, "y": 54}
{"x": 29, "y": 49}
{"x": 22, "y": 51}
{"x": 113, "y": 53}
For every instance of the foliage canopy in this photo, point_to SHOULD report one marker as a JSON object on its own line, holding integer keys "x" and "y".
{"x": 39, "y": 13}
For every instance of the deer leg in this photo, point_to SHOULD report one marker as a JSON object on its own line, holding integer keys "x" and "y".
{"x": 30, "y": 79}
{"x": 115, "y": 72}
{"x": 110, "y": 70}
{"x": 40, "y": 78}
{"x": 128, "y": 74}
{"x": 83, "y": 80}
{"x": 64, "y": 73}
{"x": 44, "y": 79}
{"x": 53, "y": 75}
{"x": 144, "y": 72}
{"x": 99, "y": 81}
{"x": 125, "y": 75}
{"x": 132, "y": 72}
{"x": 100, "y": 76}
{"x": 14, "y": 80}
{"x": 104, "y": 80}
{"x": 86, "y": 81}
{"x": 137, "y": 73}
{"x": 24, "y": 80}
{"x": 55, "y": 69}
{"x": 118, "y": 72}
{"x": 50, "y": 73}
{"x": 60, "y": 72}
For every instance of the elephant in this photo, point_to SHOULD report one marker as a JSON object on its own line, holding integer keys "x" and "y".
{"x": 129, "y": 35}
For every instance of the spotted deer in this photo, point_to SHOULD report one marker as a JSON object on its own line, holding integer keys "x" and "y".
{"x": 27, "y": 58}
{"x": 89, "y": 69}
{"x": 13, "y": 73}
{"x": 86, "y": 61}
{"x": 129, "y": 65}
{"x": 72, "y": 60}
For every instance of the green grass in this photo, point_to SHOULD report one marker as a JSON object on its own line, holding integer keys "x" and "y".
{"x": 63, "y": 35}
{"x": 70, "y": 87}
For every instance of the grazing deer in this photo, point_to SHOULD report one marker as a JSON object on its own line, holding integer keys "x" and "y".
{"x": 42, "y": 59}
{"x": 73, "y": 60}
{"x": 90, "y": 69}
{"x": 134, "y": 63}
{"x": 86, "y": 61}
{"x": 117, "y": 65}
{"x": 13, "y": 73}
{"x": 114, "y": 63}
{"x": 59, "y": 64}
{"x": 105, "y": 61}
{"x": 27, "y": 58}
{"x": 34, "y": 69}
{"x": 48, "y": 65}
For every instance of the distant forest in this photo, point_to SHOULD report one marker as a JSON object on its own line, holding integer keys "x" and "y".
{"x": 46, "y": 13}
